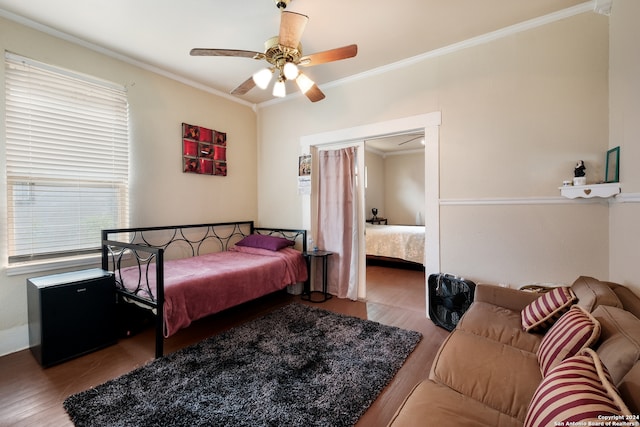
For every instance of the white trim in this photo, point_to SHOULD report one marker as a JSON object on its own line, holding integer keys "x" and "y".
{"x": 14, "y": 339}
{"x": 588, "y": 6}
{"x": 13, "y": 57}
{"x": 53, "y": 264}
{"x": 387, "y": 128}
{"x": 626, "y": 198}
{"x": 620, "y": 198}
{"x": 385, "y": 154}
{"x": 603, "y": 7}
{"x": 427, "y": 123}
{"x": 516, "y": 201}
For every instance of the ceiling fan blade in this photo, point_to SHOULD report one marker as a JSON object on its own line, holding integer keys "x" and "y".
{"x": 225, "y": 52}
{"x": 291, "y": 28}
{"x": 411, "y": 139}
{"x": 244, "y": 87}
{"x": 329, "y": 55}
{"x": 315, "y": 94}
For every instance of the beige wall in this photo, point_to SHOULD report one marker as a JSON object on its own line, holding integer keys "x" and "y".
{"x": 625, "y": 132}
{"x": 374, "y": 194}
{"x": 160, "y": 193}
{"x": 517, "y": 113}
{"x": 404, "y": 188}
{"x": 395, "y": 185}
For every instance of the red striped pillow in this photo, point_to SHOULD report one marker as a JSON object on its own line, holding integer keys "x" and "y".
{"x": 578, "y": 390}
{"x": 575, "y": 330}
{"x": 544, "y": 311}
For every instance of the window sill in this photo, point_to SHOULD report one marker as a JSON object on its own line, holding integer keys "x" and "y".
{"x": 57, "y": 264}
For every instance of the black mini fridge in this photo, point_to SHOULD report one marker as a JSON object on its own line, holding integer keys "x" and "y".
{"x": 71, "y": 314}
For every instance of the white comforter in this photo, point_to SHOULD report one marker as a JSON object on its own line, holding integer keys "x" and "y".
{"x": 396, "y": 241}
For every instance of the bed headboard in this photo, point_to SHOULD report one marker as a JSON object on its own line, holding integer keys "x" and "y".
{"x": 182, "y": 241}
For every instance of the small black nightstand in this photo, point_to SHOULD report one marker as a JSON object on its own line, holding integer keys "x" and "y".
{"x": 307, "y": 293}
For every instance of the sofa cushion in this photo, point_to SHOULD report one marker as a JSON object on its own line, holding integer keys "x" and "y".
{"x": 592, "y": 293}
{"x": 619, "y": 346}
{"x": 499, "y": 324}
{"x": 547, "y": 308}
{"x": 432, "y": 404}
{"x": 574, "y": 331}
{"x": 513, "y": 299}
{"x": 577, "y": 390}
{"x": 629, "y": 300}
{"x": 629, "y": 389}
{"x": 499, "y": 376}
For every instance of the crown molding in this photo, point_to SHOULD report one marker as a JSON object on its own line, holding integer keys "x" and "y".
{"x": 588, "y": 6}
{"x": 115, "y": 55}
{"x": 603, "y": 7}
{"x": 598, "y": 6}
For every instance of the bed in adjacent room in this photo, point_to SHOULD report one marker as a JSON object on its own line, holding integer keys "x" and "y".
{"x": 403, "y": 243}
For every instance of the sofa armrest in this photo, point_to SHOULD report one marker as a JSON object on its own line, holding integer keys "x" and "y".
{"x": 512, "y": 299}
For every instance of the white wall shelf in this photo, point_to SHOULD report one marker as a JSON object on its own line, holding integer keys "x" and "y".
{"x": 589, "y": 191}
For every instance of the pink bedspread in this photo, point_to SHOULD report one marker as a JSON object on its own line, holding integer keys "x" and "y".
{"x": 199, "y": 286}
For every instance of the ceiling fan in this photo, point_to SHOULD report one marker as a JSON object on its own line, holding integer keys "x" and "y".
{"x": 413, "y": 138}
{"x": 284, "y": 54}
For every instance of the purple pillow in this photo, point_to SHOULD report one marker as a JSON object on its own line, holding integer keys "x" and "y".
{"x": 271, "y": 243}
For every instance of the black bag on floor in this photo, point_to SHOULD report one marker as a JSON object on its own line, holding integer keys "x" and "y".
{"x": 449, "y": 298}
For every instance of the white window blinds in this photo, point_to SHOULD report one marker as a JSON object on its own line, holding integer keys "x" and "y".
{"x": 67, "y": 142}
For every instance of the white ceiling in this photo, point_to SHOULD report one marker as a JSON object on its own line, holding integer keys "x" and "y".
{"x": 161, "y": 33}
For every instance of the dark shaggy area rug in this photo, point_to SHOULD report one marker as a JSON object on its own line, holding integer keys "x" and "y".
{"x": 296, "y": 366}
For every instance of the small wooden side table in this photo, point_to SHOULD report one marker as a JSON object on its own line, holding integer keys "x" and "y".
{"x": 307, "y": 293}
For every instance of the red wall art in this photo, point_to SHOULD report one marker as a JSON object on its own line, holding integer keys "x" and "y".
{"x": 204, "y": 151}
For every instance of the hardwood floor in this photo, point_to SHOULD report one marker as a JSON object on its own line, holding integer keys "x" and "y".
{"x": 33, "y": 396}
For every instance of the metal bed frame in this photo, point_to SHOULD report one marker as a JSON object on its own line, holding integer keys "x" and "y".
{"x": 136, "y": 247}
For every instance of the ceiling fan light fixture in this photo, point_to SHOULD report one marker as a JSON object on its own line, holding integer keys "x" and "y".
{"x": 279, "y": 89}
{"x": 262, "y": 78}
{"x": 290, "y": 70}
{"x": 304, "y": 83}
{"x": 284, "y": 54}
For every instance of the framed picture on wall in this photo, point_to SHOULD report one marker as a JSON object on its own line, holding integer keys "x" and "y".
{"x": 304, "y": 174}
{"x": 204, "y": 151}
{"x": 612, "y": 165}
{"x": 304, "y": 165}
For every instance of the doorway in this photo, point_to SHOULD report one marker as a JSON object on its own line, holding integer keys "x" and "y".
{"x": 429, "y": 124}
{"x": 394, "y": 201}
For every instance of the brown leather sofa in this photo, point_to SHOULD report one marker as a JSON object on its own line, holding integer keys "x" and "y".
{"x": 486, "y": 372}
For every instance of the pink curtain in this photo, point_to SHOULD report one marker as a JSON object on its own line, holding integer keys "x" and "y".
{"x": 336, "y": 229}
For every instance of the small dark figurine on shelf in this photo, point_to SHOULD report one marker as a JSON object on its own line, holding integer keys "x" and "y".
{"x": 579, "y": 172}
{"x": 374, "y": 211}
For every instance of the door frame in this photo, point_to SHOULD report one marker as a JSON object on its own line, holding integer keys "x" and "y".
{"x": 428, "y": 123}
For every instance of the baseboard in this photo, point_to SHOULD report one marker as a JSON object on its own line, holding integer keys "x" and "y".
{"x": 14, "y": 339}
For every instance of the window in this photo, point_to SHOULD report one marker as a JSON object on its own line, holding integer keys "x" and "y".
{"x": 67, "y": 142}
